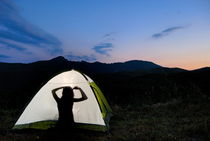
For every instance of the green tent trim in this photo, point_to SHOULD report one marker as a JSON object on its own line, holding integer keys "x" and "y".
{"x": 103, "y": 104}
{"x": 44, "y": 125}
{"x": 101, "y": 99}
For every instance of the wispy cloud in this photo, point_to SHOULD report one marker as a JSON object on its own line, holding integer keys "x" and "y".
{"x": 90, "y": 58}
{"x": 15, "y": 28}
{"x": 106, "y": 44}
{"x": 8, "y": 45}
{"x": 107, "y": 35}
{"x": 4, "y": 56}
{"x": 167, "y": 32}
{"x": 103, "y": 48}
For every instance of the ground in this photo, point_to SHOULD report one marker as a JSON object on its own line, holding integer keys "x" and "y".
{"x": 175, "y": 120}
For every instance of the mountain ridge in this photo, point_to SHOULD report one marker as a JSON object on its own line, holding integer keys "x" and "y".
{"x": 94, "y": 67}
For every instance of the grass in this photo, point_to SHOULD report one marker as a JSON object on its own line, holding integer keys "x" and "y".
{"x": 169, "y": 121}
{"x": 176, "y": 120}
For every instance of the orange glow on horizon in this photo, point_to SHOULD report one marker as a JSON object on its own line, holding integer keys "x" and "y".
{"x": 188, "y": 65}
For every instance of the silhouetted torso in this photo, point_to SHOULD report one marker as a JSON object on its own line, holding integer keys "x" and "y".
{"x": 65, "y": 106}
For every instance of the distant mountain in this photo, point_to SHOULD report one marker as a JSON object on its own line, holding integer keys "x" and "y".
{"x": 60, "y": 63}
{"x": 202, "y": 69}
{"x": 98, "y": 67}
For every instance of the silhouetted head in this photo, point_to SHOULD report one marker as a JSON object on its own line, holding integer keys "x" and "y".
{"x": 68, "y": 92}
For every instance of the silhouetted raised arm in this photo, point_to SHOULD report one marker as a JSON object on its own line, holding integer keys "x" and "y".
{"x": 54, "y": 93}
{"x": 84, "y": 97}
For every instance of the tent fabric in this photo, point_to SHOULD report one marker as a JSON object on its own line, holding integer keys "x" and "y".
{"x": 42, "y": 111}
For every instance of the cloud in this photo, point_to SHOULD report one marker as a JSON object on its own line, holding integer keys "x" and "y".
{"x": 15, "y": 28}
{"x": 103, "y": 48}
{"x": 8, "y": 45}
{"x": 90, "y": 58}
{"x": 167, "y": 31}
{"x": 108, "y": 34}
{"x": 105, "y": 45}
{"x": 4, "y": 56}
{"x": 108, "y": 37}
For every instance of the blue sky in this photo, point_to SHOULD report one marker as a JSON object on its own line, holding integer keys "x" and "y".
{"x": 171, "y": 33}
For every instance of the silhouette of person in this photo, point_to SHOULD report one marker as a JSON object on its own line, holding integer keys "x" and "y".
{"x": 65, "y": 105}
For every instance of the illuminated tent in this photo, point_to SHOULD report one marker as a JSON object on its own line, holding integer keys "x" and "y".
{"x": 42, "y": 112}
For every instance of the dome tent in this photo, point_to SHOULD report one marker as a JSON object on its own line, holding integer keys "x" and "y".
{"x": 42, "y": 113}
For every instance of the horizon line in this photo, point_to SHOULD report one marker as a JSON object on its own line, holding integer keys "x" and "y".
{"x": 105, "y": 63}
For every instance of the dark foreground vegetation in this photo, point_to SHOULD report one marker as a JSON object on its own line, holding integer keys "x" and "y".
{"x": 174, "y": 120}
{"x": 166, "y": 106}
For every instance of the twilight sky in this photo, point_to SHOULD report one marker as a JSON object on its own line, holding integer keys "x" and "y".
{"x": 171, "y": 33}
